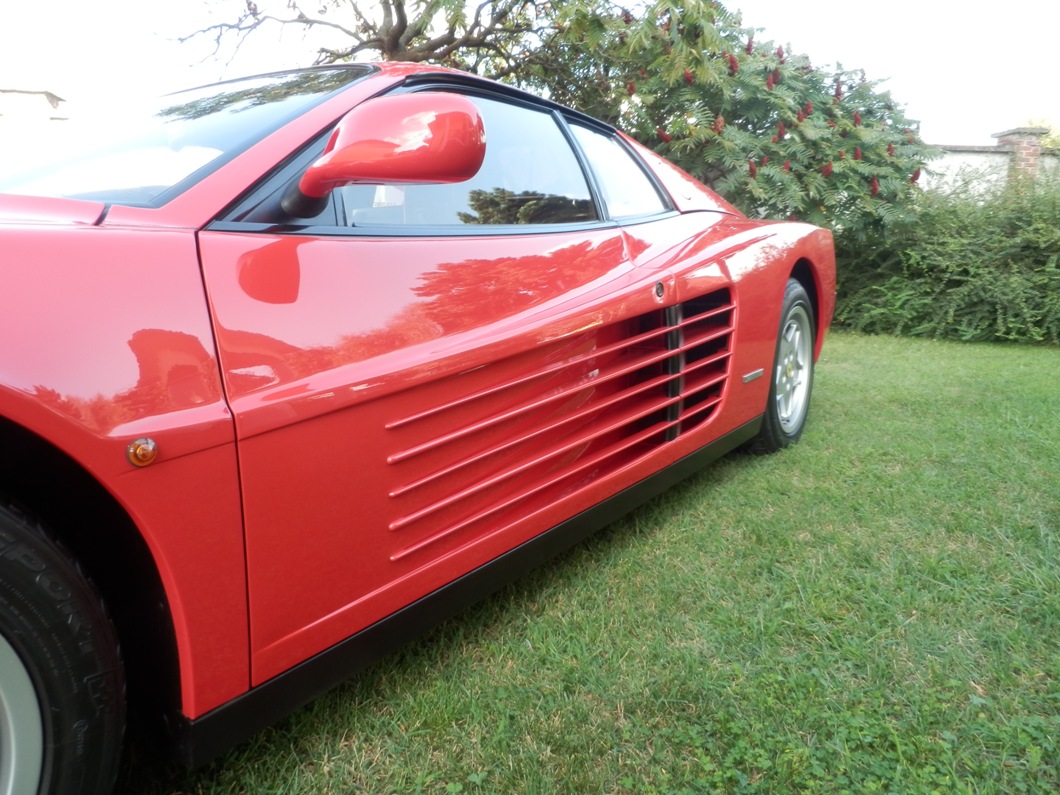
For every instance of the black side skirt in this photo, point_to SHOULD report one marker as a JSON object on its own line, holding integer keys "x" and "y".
{"x": 197, "y": 741}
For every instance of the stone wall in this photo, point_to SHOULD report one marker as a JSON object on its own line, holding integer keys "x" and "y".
{"x": 1019, "y": 152}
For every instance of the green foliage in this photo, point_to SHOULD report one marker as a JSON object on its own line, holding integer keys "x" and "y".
{"x": 1051, "y": 140}
{"x": 969, "y": 266}
{"x": 773, "y": 134}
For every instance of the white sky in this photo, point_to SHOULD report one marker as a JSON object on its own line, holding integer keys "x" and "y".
{"x": 964, "y": 69}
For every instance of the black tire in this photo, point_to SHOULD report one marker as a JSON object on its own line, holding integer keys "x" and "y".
{"x": 62, "y": 699}
{"x": 791, "y": 381}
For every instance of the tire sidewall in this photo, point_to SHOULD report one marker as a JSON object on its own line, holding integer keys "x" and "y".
{"x": 795, "y": 297}
{"x": 772, "y": 436}
{"x": 55, "y": 622}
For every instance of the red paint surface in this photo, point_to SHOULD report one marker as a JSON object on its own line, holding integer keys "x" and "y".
{"x": 405, "y": 409}
{"x": 107, "y": 338}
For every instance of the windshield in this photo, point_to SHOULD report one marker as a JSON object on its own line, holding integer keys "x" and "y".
{"x": 145, "y": 156}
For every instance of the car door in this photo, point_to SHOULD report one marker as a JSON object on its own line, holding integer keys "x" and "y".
{"x": 422, "y": 381}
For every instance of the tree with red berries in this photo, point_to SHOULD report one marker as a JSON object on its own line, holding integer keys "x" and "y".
{"x": 774, "y": 134}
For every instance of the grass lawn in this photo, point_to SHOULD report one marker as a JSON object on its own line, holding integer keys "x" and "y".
{"x": 877, "y": 609}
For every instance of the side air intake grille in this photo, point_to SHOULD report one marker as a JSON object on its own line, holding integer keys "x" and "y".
{"x": 507, "y": 439}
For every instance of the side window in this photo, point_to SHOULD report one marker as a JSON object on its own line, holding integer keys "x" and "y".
{"x": 530, "y": 176}
{"x": 626, "y": 189}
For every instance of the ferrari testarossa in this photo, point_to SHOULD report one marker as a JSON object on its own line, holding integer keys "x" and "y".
{"x": 296, "y": 366}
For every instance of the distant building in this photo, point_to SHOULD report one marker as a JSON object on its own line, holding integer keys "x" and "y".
{"x": 29, "y": 119}
{"x": 1018, "y": 152}
{"x": 20, "y": 105}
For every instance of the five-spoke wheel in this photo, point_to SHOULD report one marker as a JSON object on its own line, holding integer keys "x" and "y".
{"x": 792, "y": 382}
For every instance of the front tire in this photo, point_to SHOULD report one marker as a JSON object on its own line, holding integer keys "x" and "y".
{"x": 792, "y": 377}
{"x": 62, "y": 705}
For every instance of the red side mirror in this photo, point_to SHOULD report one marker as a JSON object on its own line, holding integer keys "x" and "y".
{"x": 425, "y": 138}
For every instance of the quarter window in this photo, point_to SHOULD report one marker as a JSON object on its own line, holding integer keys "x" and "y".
{"x": 626, "y": 189}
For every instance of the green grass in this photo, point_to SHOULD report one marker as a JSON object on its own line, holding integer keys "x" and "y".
{"x": 875, "y": 610}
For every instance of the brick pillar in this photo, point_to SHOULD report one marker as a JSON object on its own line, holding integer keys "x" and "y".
{"x": 1025, "y": 147}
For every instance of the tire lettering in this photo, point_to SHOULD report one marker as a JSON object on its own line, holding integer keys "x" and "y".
{"x": 96, "y": 685}
{"x": 80, "y": 729}
{"x": 73, "y": 618}
{"x": 55, "y": 588}
{"x": 20, "y": 553}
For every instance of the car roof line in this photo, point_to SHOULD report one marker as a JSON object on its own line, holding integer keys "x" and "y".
{"x": 474, "y": 81}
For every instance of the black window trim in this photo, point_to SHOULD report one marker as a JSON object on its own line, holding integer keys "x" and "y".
{"x": 411, "y": 230}
{"x": 567, "y": 116}
{"x": 476, "y": 87}
{"x": 660, "y": 192}
{"x": 276, "y": 179}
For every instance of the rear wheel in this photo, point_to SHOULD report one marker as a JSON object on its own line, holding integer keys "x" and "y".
{"x": 792, "y": 377}
{"x": 62, "y": 707}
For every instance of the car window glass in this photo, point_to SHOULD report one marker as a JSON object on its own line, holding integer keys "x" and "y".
{"x": 136, "y": 153}
{"x": 530, "y": 176}
{"x": 626, "y": 189}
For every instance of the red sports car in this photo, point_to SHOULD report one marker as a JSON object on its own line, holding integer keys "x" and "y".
{"x": 296, "y": 366}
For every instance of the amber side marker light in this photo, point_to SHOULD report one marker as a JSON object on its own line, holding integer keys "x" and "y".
{"x": 142, "y": 452}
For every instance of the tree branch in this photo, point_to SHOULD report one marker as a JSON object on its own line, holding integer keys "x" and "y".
{"x": 436, "y": 32}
